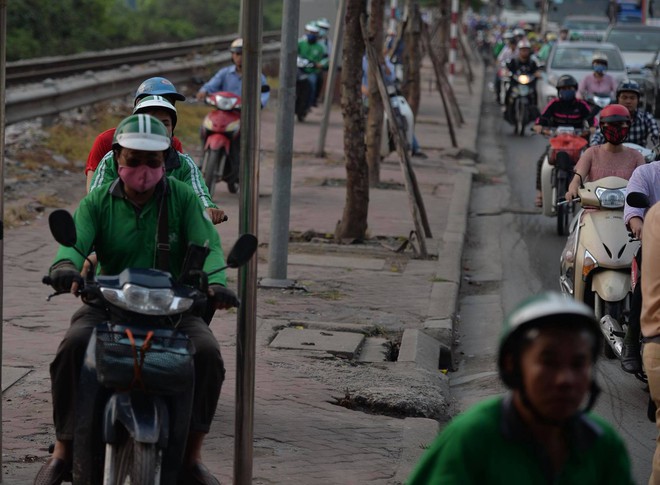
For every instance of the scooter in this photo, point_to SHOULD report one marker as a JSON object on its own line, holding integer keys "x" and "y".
{"x": 220, "y": 134}
{"x": 136, "y": 384}
{"x": 595, "y": 266}
{"x": 303, "y": 87}
{"x": 598, "y": 101}
{"x": 557, "y": 172}
{"x": 404, "y": 118}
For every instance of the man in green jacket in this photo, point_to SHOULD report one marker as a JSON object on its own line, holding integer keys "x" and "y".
{"x": 311, "y": 49}
{"x": 538, "y": 433}
{"x": 120, "y": 221}
{"x": 178, "y": 165}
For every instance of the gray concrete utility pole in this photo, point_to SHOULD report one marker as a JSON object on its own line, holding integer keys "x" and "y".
{"x": 3, "y": 65}
{"x": 251, "y": 23}
{"x": 278, "y": 248}
{"x": 332, "y": 74}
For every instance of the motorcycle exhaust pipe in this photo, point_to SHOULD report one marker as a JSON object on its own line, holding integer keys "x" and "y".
{"x": 611, "y": 330}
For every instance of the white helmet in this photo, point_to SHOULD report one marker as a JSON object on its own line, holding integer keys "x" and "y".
{"x": 236, "y": 46}
{"x": 157, "y": 102}
{"x": 310, "y": 27}
{"x": 524, "y": 44}
{"x": 142, "y": 132}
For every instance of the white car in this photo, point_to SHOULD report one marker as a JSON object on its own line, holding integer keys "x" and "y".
{"x": 574, "y": 58}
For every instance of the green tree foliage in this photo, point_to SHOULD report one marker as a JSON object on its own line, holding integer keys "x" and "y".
{"x": 38, "y": 28}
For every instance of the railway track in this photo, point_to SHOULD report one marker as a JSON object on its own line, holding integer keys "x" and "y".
{"x": 73, "y": 83}
{"x": 34, "y": 70}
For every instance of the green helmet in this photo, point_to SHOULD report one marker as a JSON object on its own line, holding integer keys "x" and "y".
{"x": 142, "y": 132}
{"x": 156, "y": 102}
{"x": 545, "y": 310}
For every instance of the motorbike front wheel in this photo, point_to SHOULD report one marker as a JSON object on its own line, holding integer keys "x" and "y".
{"x": 563, "y": 210}
{"x": 211, "y": 164}
{"x": 135, "y": 460}
{"x": 521, "y": 116}
{"x": 615, "y": 310}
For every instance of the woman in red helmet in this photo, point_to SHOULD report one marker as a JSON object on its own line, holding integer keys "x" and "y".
{"x": 611, "y": 158}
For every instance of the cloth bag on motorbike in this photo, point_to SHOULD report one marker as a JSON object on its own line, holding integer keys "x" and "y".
{"x": 159, "y": 361}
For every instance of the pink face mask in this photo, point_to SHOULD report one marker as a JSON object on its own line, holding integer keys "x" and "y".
{"x": 142, "y": 177}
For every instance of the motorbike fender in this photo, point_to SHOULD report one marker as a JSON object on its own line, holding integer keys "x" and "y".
{"x": 605, "y": 236}
{"x": 216, "y": 141}
{"x": 546, "y": 188}
{"x": 611, "y": 285}
{"x": 146, "y": 419}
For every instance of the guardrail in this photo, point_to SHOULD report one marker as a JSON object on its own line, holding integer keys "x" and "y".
{"x": 55, "y": 96}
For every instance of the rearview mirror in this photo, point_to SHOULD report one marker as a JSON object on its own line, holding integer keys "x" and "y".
{"x": 62, "y": 227}
{"x": 243, "y": 249}
{"x": 638, "y": 200}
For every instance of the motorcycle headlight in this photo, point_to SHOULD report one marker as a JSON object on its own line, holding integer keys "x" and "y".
{"x": 148, "y": 301}
{"x": 601, "y": 102}
{"x": 523, "y": 79}
{"x": 225, "y": 104}
{"x": 611, "y": 198}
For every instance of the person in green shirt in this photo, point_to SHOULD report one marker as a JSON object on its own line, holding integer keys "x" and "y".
{"x": 311, "y": 49}
{"x": 120, "y": 221}
{"x": 178, "y": 165}
{"x": 538, "y": 433}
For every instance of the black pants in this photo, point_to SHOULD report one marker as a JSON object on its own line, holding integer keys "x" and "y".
{"x": 65, "y": 370}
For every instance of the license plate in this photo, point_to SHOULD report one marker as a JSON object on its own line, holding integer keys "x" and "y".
{"x": 523, "y": 90}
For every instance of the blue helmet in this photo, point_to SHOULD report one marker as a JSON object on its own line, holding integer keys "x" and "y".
{"x": 158, "y": 86}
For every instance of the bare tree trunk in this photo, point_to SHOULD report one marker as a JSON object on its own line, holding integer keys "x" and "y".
{"x": 354, "y": 220}
{"x": 412, "y": 86}
{"x": 375, "y": 102}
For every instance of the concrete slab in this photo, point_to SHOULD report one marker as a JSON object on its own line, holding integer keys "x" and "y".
{"x": 345, "y": 344}
{"x": 418, "y": 347}
{"x": 374, "y": 350}
{"x": 11, "y": 375}
{"x": 441, "y": 329}
{"x": 336, "y": 261}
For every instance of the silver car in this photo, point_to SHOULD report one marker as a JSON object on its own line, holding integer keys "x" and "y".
{"x": 574, "y": 58}
{"x": 638, "y": 45}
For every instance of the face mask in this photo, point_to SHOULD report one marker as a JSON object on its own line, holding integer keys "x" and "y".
{"x": 311, "y": 38}
{"x": 567, "y": 94}
{"x": 615, "y": 134}
{"x": 142, "y": 177}
{"x": 600, "y": 69}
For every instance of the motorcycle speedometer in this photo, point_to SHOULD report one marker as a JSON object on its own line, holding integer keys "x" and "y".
{"x": 611, "y": 198}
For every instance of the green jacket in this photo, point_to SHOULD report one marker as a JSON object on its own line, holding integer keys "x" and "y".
{"x": 489, "y": 445}
{"x": 315, "y": 52}
{"x": 125, "y": 236}
{"x": 178, "y": 165}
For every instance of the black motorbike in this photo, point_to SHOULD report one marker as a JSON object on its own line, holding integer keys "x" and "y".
{"x": 521, "y": 106}
{"x": 303, "y": 87}
{"x": 136, "y": 384}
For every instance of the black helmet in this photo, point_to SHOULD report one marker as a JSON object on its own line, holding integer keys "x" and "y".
{"x": 629, "y": 86}
{"x": 546, "y": 310}
{"x": 566, "y": 81}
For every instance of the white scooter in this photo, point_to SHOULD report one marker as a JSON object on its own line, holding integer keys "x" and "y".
{"x": 595, "y": 266}
{"x": 404, "y": 118}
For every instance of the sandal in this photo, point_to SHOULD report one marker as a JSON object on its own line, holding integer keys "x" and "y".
{"x": 538, "y": 201}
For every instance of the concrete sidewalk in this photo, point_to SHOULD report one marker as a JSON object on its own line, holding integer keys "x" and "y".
{"x": 334, "y": 404}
